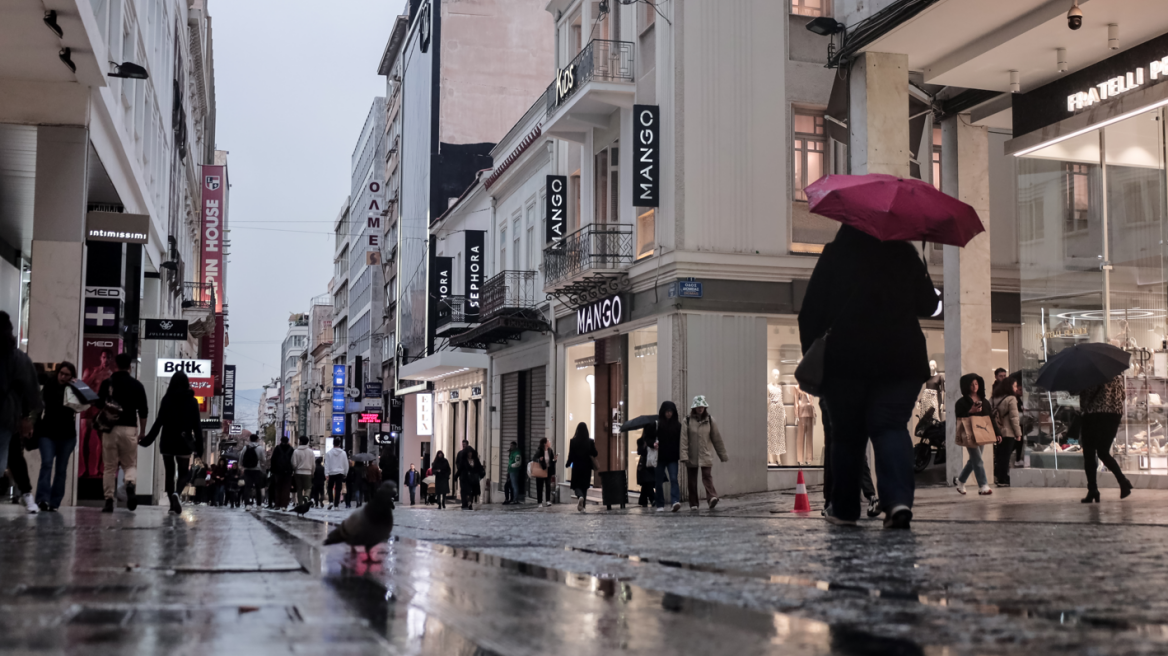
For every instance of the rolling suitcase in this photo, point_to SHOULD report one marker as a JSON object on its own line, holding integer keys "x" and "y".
{"x": 614, "y": 488}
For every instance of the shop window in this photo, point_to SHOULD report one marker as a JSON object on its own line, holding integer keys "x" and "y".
{"x": 1031, "y": 226}
{"x": 1077, "y": 202}
{"x": 811, "y": 7}
{"x": 646, "y": 233}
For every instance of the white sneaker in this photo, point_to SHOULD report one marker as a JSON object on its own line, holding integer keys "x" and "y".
{"x": 30, "y": 503}
{"x": 660, "y": 508}
{"x": 547, "y": 504}
{"x": 676, "y": 507}
{"x": 959, "y": 485}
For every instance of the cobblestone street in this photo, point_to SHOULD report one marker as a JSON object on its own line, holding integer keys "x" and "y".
{"x": 1024, "y": 571}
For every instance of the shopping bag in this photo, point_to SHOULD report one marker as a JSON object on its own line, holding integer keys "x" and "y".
{"x": 975, "y": 431}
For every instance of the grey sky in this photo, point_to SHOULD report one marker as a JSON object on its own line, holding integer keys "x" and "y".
{"x": 294, "y": 82}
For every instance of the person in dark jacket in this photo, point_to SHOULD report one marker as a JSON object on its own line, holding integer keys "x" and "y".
{"x": 19, "y": 405}
{"x": 546, "y": 457}
{"x": 646, "y": 472}
{"x": 318, "y": 479}
{"x": 1102, "y": 408}
{"x": 441, "y": 469}
{"x": 56, "y": 435}
{"x": 869, "y": 295}
{"x": 282, "y": 471}
{"x": 412, "y": 479}
{"x": 668, "y": 455}
{"x": 973, "y": 403}
{"x": 581, "y": 451}
{"x": 219, "y": 481}
{"x": 120, "y": 445}
{"x": 178, "y": 420}
{"x": 355, "y": 483}
{"x": 466, "y": 463}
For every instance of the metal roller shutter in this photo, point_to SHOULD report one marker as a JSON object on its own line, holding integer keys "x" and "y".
{"x": 536, "y": 417}
{"x": 508, "y": 422}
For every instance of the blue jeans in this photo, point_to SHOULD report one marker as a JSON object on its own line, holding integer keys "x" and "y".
{"x": 516, "y": 483}
{"x": 669, "y": 468}
{"x": 878, "y": 410}
{"x": 975, "y": 465}
{"x": 51, "y": 482}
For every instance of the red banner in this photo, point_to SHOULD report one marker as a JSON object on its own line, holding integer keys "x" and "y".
{"x": 211, "y": 348}
{"x": 214, "y": 229}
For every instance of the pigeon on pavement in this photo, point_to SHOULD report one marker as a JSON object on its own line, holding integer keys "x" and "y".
{"x": 302, "y": 508}
{"x": 368, "y": 526}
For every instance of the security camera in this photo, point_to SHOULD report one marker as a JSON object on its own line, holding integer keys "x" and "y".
{"x": 1075, "y": 17}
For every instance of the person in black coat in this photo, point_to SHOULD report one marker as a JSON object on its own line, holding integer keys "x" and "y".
{"x": 56, "y": 435}
{"x": 870, "y": 294}
{"x": 646, "y": 473}
{"x": 973, "y": 403}
{"x": 668, "y": 455}
{"x": 318, "y": 479}
{"x": 581, "y": 451}
{"x": 178, "y": 420}
{"x": 441, "y": 470}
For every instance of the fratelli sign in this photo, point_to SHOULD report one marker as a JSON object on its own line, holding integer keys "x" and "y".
{"x": 1118, "y": 85}
{"x": 605, "y": 313}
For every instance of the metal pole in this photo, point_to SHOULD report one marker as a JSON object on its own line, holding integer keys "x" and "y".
{"x": 1106, "y": 267}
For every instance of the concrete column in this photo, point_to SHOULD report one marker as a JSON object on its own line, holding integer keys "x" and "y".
{"x": 58, "y": 247}
{"x": 878, "y": 114}
{"x": 968, "y": 327}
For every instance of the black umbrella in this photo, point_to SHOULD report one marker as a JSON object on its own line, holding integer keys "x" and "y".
{"x": 1083, "y": 366}
{"x": 364, "y": 457}
{"x": 638, "y": 423}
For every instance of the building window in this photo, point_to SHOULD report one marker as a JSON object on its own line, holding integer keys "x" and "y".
{"x": 502, "y": 248}
{"x": 607, "y": 196}
{"x": 1078, "y": 197}
{"x": 516, "y": 249}
{"x": 646, "y": 233}
{"x": 574, "y": 201}
{"x": 648, "y": 12}
{"x": 937, "y": 158}
{"x": 810, "y": 142}
{"x": 811, "y": 7}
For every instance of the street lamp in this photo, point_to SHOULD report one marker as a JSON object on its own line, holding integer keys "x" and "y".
{"x": 128, "y": 70}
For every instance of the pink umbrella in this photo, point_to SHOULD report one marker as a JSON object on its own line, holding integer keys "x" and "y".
{"x": 894, "y": 209}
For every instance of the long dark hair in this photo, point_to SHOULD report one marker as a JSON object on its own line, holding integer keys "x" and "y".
{"x": 581, "y": 431}
{"x": 7, "y": 336}
{"x": 179, "y": 387}
{"x": 65, "y": 364}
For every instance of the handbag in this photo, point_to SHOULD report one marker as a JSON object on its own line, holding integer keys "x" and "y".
{"x": 111, "y": 412}
{"x": 536, "y": 470}
{"x": 651, "y": 457}
{"x": 975, "y": 431}
{"x": 595, "y": 463}
{"x": 809, "y": 374}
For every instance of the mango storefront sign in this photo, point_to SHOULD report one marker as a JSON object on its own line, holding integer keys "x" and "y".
{"x": 605, "y": 313}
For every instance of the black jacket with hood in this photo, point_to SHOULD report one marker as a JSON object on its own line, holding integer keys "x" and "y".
{"x": 964, "y": 405}
{"x": 668, "y": 435}
{"x": 869, "y": 293}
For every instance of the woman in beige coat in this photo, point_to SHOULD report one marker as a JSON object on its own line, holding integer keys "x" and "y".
{"x": 700, "y": 440}
{"x": 1004, "y": 405}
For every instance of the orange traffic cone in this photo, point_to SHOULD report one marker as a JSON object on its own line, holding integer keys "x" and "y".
{"x": 802, "y": 503}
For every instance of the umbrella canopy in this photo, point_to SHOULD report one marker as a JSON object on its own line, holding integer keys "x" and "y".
{"x": 638, "y": 423}
{"x": 364, "y": 457}
{"x": 894, "y": 209}
{"x": 1083, "y": 366}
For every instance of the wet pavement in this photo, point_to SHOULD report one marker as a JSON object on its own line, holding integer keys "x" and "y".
{"x": 1023, "y": 571}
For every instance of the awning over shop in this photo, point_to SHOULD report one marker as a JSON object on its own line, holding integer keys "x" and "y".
{"x": 443, "y": 364}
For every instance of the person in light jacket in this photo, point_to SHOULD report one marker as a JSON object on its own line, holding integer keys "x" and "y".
{"x": 304, "y": 462}
{"x": 700, "y": 440}
{"x": 336, "y": 465}
{"x": 1005, "y": 408}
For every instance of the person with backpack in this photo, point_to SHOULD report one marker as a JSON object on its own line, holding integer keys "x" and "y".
{"x": 178, "y": 420}
{"x": 282, "y": 470}
{"x": 254, "y": 460}
{"x": 336, "y": 466}
{"x": 122, "y": 420}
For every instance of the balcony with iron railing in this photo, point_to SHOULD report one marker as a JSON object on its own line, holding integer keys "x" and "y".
{"x": 597, "y": 82}
{"x": 509, "y": 307}
{"x": 452, "y": 316}
{"x": 595, "y": 249}
{"x": 198, "y": 306}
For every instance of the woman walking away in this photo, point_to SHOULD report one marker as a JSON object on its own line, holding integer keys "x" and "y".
{"x": 547, "y": 459}
{"x": 700, "y": 440}
{"x": 668, "y": 454}
{"x": 318, "y": 480}
{"x": 178, "y": 420}
{"x": 973, "y": 404}
{"x": 1009, "y": 421}
{"x": 56, "y": 435}
{"x": 869, "y": 294}
{"x": 647, "y": 465}
{"x": 1102, "y": 408}
{"x": 441, "y": 469}
{"x": 581, "y": 454}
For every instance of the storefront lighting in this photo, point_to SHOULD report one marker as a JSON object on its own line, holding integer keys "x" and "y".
{"x": 1113, "y": 36}
{"x": 585, "y": 363}
{"x": 1062, "y": 59}
{"x": 643, "y": 350}
{"x": 1097, "y": 315}
{"x": 51, "y": 22}
{"x": 1091, "y": 128}
{"x": 67, "y": 59}
{"x": 1015, "y": 82}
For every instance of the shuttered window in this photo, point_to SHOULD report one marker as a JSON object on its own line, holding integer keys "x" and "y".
{"x": 508, "y": 422}
{"x": 536, "y": 424}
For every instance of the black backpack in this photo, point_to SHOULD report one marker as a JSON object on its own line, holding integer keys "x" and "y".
{"x": 250, "y": 459}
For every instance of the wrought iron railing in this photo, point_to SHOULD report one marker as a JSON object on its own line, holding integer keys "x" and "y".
{"x": 610, "y": 61}
{"x": 508, "y": 290}
{"x": 451, "y": 309}
{"x": 595, "y": 247}
{"x": 199, "y": 295}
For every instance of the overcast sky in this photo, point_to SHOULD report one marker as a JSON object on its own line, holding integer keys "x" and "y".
{"x": 294, "y": 81}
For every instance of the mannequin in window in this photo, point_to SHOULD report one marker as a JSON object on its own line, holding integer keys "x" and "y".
{"x": 933, "y": 395}
{"x": 805, "y": 429}
{"x": 776, "y": 420}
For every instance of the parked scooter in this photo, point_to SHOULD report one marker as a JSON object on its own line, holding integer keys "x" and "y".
{"x": 931, "y": 449}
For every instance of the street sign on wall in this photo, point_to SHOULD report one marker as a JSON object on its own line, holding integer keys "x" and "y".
{"x": 171, "y": 329}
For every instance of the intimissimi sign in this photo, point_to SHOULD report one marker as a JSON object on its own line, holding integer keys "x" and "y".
{"x": 605, "y": 313}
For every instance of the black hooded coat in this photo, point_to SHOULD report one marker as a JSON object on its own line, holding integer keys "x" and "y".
{"x": 668, "y": 435}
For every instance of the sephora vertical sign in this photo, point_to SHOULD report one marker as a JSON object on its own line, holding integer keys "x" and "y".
{"x": 441, "y": 282}
{"x": 647, "y": 156}
{"x": 556, "y": 197}
{"x": 473, "y": 273}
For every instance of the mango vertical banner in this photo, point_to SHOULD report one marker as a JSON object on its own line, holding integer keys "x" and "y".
{"x": 213, "y": 230}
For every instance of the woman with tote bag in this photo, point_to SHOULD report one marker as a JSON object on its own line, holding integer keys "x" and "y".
{"x": 973, "y": 413}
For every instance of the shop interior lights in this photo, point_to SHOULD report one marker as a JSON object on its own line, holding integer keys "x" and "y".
{"x": 585, "y": 363}
{"x": 642, "y": 350}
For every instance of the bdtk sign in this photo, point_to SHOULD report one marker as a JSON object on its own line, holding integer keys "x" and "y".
{"x": 646, "y": 156}
{"x": 556, "y": 198}
{"x": 168, "y": 367}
